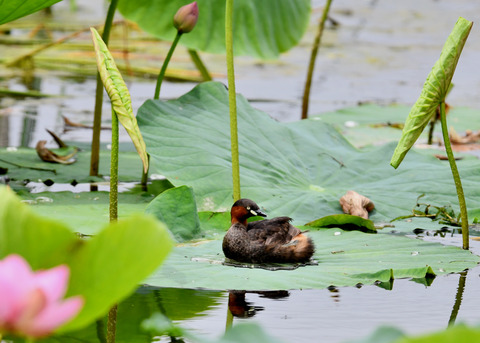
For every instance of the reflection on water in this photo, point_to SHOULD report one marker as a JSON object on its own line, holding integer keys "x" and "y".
{"x": 239, "y": 307}
{"x": 458, "y": 298}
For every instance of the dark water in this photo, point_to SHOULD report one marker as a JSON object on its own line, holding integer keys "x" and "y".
{"x": 381, "y": 53}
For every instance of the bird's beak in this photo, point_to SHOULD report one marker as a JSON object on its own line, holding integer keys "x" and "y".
{"x": 258, "y": 213}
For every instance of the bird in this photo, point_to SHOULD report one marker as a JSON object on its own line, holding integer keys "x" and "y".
{"x": 264, "y": 241}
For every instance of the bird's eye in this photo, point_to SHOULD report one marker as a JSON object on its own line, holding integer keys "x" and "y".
{"x": 248, "y": 208}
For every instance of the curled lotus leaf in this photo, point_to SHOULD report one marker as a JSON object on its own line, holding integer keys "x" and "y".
{"x": 119, "y": 95}
{"x": 434, "y": 90}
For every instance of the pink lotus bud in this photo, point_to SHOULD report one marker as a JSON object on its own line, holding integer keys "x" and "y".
{"x": 31, "y": 303}
{"x": 186, "y": 18}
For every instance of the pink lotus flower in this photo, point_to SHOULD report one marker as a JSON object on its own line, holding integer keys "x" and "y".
{"x": 186, "y": 18}
{"x": 31, "y": 303}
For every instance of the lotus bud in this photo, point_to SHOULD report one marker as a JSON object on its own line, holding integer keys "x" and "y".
{"x": 32, "y": 302}
{"x": 186, "y": 18}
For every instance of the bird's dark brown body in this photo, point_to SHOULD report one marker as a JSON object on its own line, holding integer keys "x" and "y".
{"x": 264, "y": 241}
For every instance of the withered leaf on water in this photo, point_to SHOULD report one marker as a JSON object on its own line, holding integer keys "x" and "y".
{"x": 70, "y": 123}
{"x": 57, "y": 139}
{"x": 48, "y": 155}
{"x": 356, "y": 204}
{"x": 470, "y": 137}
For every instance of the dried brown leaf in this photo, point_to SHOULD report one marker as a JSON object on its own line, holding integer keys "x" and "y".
{"x": 49, "y": 156}
{"x": 356, "y": 204}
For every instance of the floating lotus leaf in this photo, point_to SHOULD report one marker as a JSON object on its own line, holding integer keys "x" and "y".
{"x": 299, "y": 169}
{"x": 345, "y": 258}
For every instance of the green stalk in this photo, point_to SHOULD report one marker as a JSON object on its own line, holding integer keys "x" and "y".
{"x": 112, "y": 324}
{"x": 112, "y": 314}
{"x": 229, "y": 320}
{"x": 232, "y": 100}
{"x": 200, "y": 65}
{"x": 161, "y": 75}
{"x": 430, "y": 131}
{"x": 456, "y": 176}
{"x": 97, "y": 118}
{"x": 114, "y": 170}
{"x": 144, "y": 180}
{"x": 313, "y": 57}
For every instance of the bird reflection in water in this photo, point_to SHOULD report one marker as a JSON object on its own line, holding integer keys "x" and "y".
{"x": 241, "y": 308}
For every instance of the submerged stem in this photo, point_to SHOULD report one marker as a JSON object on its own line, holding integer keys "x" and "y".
{"x": 232, "y": 100}
{"x": 456, "y": 176}
{"x": 114, "y": 170}
{"x": 144, "y": 180}
{"x": 313, "y": 57}
{"x": 200, "y": 65}
{"x": 161, "y": 75}
{"x": 97, "y": 117}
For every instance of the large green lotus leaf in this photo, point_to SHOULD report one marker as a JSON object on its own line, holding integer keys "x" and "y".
{"x": 345, "y": 258}
{"x": 176, "y": 207}
{"x": 21, "y": 231}
{"x": 373, "y": 124}
{"x": 23, "y": 164}
{"x": 460, "y": 334}
{"x": 14, "y": 9}
{"x": 104, "y": 270}
{"x": 114, "y": 262}
{"x": 85, "y": 212}
{"x": 299, "y": 169}
{"x": 261, "y": 28}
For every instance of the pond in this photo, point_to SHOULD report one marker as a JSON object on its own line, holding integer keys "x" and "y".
{"x": 380, "y": 53}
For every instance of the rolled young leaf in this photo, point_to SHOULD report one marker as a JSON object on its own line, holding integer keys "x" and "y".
{"x": 119, "y": 95}
{"x": 434, "y": 90}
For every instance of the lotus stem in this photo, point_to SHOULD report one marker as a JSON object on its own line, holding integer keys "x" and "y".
{"x": 430, "y": 131}
{"x": 456, "y": 176}
{"x": 313, "y": 57}
{"x": 161, "y": 75}
{"x": 114, "y": 170}
{"x": 229, "y": 320}
{"x": 232, "y": 100}
{"x": 144, "y": 180}
{"x": 112, "y": 324}
{"x": 97, "y": 117}
{"x": 200, "y": 65}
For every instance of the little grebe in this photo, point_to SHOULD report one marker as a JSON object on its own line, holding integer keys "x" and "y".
{"x": 268, "y": 240}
